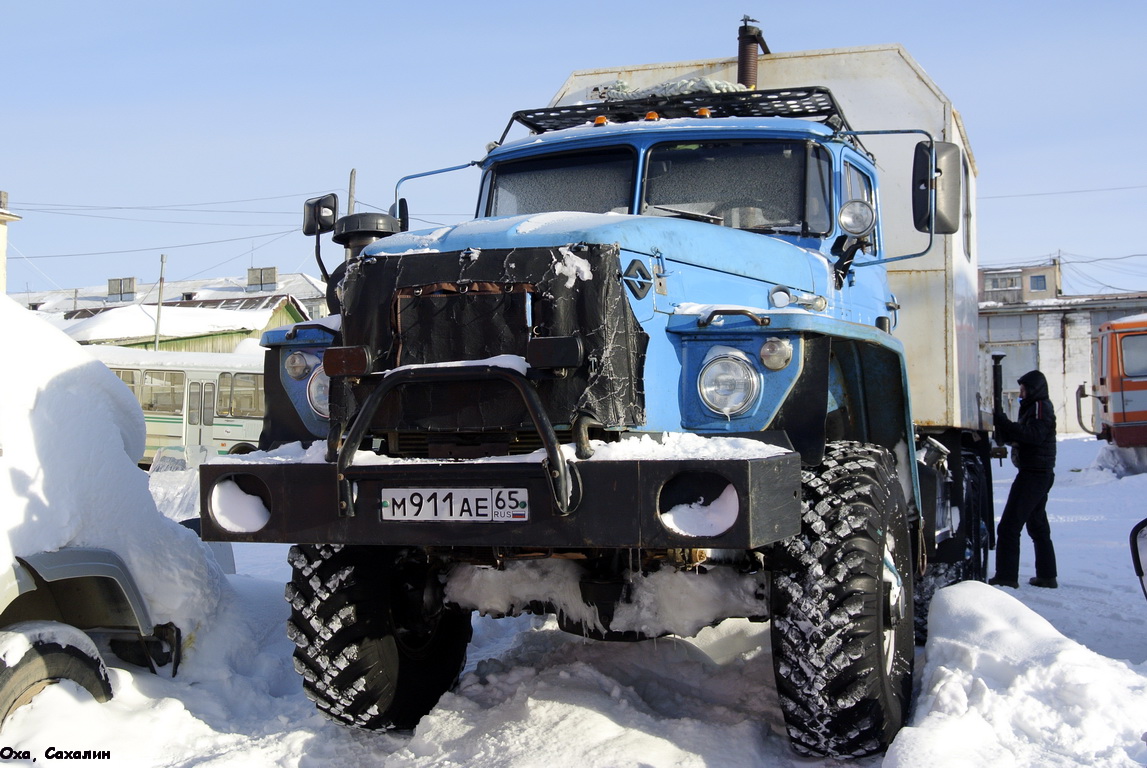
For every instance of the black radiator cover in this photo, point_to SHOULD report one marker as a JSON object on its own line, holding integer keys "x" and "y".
{"x": 422, "y": 308}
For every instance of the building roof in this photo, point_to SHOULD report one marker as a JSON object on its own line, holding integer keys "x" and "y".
{"x": 218, "y": 293}
{"x": 135, "y": 322}
{"x": 1092, "y": 301}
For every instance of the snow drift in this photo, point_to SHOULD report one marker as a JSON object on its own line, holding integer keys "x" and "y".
{"x": 71, "y": 435}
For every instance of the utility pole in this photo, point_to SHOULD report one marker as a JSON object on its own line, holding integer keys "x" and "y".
{"x": 159, "y": 307}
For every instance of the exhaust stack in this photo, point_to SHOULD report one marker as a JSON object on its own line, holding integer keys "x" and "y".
{"x": 749, "y": 38}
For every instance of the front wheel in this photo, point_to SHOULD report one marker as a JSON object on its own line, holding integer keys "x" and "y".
{"x": 36, "y": 654}
{"x": 842, "y": 607}
{"x": 375, "y": 644}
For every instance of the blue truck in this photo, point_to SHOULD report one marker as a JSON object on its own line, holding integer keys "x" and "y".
{"x": 688, "y": 346}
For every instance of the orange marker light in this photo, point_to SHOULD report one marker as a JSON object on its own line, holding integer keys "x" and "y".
{"x": 601, "y": 120}
{"x": 652, "y": 116}
{"x": 704, "y": 112}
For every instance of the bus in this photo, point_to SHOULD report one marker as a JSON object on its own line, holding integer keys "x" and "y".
{"x": 192, "y": 398}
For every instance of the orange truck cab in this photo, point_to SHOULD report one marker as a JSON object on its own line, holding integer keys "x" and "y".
{"x": 1120, "y": 388}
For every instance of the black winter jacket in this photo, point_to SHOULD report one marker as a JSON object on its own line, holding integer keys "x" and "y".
{"x": 1033, "y": 433}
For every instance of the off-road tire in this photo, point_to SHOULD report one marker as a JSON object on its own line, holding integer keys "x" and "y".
{"x": 375, "y": 645}
{"x": 974, "y": 566}
{"x": 46, "y": 663}
{"x": 842, "y": 621}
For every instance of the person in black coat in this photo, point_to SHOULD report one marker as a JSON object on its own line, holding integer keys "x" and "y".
{"x": 1032, "y": 437}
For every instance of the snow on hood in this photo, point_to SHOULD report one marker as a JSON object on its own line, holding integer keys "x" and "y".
{"x": 71, "y": 434}
{"x": 693, "y": 242}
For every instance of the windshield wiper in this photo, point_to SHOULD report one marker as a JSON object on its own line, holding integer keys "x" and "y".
{"x": 691, "y": 215}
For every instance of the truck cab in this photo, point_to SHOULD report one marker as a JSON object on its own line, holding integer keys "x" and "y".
{"x": 1120, "y": 383}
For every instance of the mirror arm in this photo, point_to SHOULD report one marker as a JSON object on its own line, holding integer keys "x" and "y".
{"x": 319, "y": 259}
{"x": 848, "y": 246}
{"x": 931, "y": 190}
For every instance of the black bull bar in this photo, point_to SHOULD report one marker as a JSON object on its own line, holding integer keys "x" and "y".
{"x": 594, "y": 503}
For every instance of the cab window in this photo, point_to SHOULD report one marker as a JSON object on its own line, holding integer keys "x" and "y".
{"x": 763, "y": 186}
{"x": 600, "y": 181}
{"x": 857, "y": 185}
{"x": 1134, "y": 352}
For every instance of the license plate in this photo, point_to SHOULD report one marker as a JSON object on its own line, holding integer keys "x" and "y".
{"x": 456, "y": 505}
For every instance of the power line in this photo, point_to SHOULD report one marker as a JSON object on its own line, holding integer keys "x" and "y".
{"x": 160, "y": 247}
{"x": 171, "y": 205}
{"x": 238, "y": 256}
{"x": 1063, "y": 258}
{"x": 1064, "y": 192}
{"x": 33, "y": 266}
{"x": 164, "y": 221}
{"x": 1081, "y": 277}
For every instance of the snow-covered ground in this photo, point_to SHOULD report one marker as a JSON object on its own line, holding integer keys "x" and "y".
{"x": 1021, "y": 678}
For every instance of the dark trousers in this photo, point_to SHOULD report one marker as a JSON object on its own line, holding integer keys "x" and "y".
{"x": 1027, "y": 506}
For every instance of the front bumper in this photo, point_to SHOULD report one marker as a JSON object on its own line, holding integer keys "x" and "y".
{"x": 613, "y": 503}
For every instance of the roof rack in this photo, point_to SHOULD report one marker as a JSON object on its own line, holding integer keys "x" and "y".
{"x": 814, "y": 103}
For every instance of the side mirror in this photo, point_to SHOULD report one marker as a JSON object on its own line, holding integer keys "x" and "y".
{"x": 946, "y": 176}
{"x": 320, "y": 213}
{"x": 1139, "y": 551}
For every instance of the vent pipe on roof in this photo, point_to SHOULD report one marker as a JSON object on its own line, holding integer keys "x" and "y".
{"x": 749, "y": 38}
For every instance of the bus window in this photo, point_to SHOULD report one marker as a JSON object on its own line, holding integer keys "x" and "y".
{"x": 162, "y": 391}
{"x": 194, "y": 402}
{"x": 208, "y": 403}
{"x": 247, "y": 396}
{"x": 223, "y": 405}
{"x": 129, "y": 377}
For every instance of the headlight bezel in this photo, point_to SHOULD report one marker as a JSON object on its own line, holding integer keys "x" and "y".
{"x": 318, "y": 392}
{"x": 857, "y": 217}
{"x": 732, "y": 362}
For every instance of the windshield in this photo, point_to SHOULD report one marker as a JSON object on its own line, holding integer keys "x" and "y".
{"x": 594, "y": 182}
{"x": 767, "y": 186}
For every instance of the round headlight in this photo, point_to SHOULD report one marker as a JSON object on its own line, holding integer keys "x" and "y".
{"x": 857, "y": 217}
{"x": 776, "y": 353}
{"x": 318, "y": 392}
{"x": 297, "y": 365}
{"x": 728, "y": 385}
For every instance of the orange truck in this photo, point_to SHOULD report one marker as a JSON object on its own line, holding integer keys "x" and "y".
{"x": 1120, "y": 388}
{"x": 1119, "y": 415}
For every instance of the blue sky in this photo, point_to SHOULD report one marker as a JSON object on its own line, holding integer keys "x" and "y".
{"x": 132, "y": 129}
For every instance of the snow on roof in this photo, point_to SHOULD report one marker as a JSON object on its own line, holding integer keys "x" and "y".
{"x": 302, "y": 287}
{"x": 1130, "y": 320}
{"x": 137, "y": 321}
{"x": 249, "y": 358}
{"x": 1069, "y": 301}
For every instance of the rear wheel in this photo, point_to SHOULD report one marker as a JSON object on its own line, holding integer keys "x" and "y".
{"x": 842, "y": 607}
{"x": 46, "y": 653}
{"x": 375, "y": 644}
